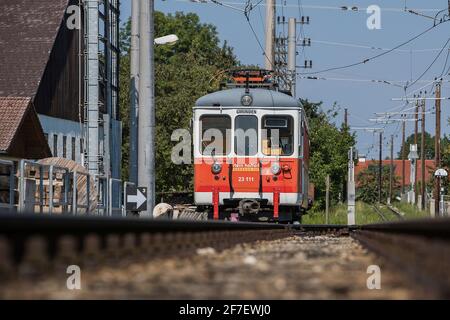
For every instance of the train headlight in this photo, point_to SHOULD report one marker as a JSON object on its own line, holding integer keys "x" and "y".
{"x": 276, "y": 169}
{"x": 216, "y": 168}
{"x": 247, "y": 100}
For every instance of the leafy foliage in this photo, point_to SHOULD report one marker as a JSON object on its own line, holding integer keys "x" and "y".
{"x": 429, "y": 146}
{"x": 367, "y": 189}
{"x": 329, "y": 151}
{"x": 195, "y": 66}
{"x": 183, "y": 72}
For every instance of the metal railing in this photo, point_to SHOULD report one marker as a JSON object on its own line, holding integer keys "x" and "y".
{"x": 29, "y": 181}
{"x": 7, "y": 181}
{"x": 116, "y": 204}
{"x": 75, "y": 199}
{"x": 52, "y": 189}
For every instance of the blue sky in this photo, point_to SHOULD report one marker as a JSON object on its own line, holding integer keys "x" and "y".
{"x": 345, "y": 27}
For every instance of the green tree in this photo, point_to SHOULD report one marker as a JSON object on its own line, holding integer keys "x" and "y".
{"x": 184, "y": 72}
{"x": 329, "y": 151}
{"x": 429, "y": 146}
{"x": 367, "y": 189}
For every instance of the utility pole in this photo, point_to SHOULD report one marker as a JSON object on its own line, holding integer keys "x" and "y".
{"x": 292, "y": 53}
{"x": 380, "y": 168}
{"x": 134, "y": 93}
{"x": 351, "y": 189}
{"x": 437, "y": 147}
{"x": 403, "y": 156}
{"x": 346, "y": 117}
{"x": 422, "y": 153}
{"x": 270, "y": 35}
{"x": 327, "y": 200}
{"x": 380, "y": 164}
{"x": 345, "y": 187}
{"x": 416, "y": 130}
{"x": 146, "y": 147}
{"x": 391, "y": 171}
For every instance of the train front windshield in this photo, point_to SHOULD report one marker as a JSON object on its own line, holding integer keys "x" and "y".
{"x": 246, "y": 136}
{"x": 215, "y": 135}
{"x": 278, "y": 135}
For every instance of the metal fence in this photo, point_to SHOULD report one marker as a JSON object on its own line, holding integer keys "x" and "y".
{"x": 32, "y": 187}
{"x": 7, "y": 182}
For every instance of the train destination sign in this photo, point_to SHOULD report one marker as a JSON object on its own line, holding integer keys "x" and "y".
{"x": 136, "y": 198}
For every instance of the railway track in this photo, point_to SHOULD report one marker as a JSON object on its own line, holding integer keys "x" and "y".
{"x": 418, "y": 248}
{"x": 36, "y": 246}
{"x": 39, "y": 244}
{"x": 378, "y": 211}
{"x": 395, "y": 211}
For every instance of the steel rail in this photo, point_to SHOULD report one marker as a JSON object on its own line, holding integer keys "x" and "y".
{"x": 420, "y": 249}
{"x": 378, "y": 211}
{"x": 395, "y": 211}
{"x": 431, "y": 228}
{"x": 42, "y": 244}
{"x": 79, "y": 225}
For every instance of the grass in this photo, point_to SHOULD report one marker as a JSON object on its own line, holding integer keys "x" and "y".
{"x": 365, "y": 214}
{"x": 410, "y": 211}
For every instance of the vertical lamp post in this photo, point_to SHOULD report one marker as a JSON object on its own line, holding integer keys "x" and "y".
{"x": 146, "y": 112}
{"x": 413, "y": 156}
{"x": 145, "y": 98}
{"x": 134, "y": 86}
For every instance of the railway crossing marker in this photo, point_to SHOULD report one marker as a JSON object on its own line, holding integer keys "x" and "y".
{"x": 136, "y": 198}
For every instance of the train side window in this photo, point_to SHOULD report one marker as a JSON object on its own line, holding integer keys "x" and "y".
{"x": 215, "y": 136}
{"x": 281, "y": 126}
{"x": 246, "y": 135}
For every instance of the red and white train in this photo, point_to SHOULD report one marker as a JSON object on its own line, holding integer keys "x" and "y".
{"x": 251, "y": 150}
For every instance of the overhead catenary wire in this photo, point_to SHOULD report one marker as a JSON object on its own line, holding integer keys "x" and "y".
{"x": 364, "y": 61}
{"x": 396, "y": 83}
{"x": 342, "y": 8}
{"x": 258, "y": 40}
{"x": 361, "y": 46}
{"x": 385, "y": 51}
{"x": 431, "y": 64}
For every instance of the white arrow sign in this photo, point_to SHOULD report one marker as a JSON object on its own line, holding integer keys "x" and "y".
{"x": 139, "y": 199}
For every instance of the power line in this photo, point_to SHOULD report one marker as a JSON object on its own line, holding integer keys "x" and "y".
{"x": 226, "y": 5}
{"x": 396, "y": 83}
{"x": 352, "y": 45}
{"x": 343, "y": 8}
{"x": 376, "y": 56}
{"x": 445, "y": 64}
{"x": 429, "y": 67}
{"x": 421, "y": 88}
{"x": 247, "y": 17}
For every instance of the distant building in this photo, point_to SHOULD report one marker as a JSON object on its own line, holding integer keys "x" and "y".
{"x": 398, "y": 169}
{"x": 43, "y": 83}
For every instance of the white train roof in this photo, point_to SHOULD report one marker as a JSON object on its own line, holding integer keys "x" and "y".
{"x": 262, "y": 98}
